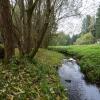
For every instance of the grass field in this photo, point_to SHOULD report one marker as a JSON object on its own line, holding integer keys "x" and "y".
{"x": 88, "y": 57}
{"x": 34, "y": 79}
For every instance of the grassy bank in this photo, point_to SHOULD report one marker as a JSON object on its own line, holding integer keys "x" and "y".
{"x": 37, "y": 79}
{"x": 88, "y": 57}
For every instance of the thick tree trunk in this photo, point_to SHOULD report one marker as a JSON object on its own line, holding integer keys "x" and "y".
{"x": 43, "y": 30}
{"x": 45, "y": 41}
{"x": 28, "y": 38}
{"x": 7, "y": 28}
{"x": 29, "y": 26}
{"x": 23, "y": 27}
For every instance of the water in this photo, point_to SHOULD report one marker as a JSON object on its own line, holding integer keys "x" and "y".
{"x": 73, "y": 80}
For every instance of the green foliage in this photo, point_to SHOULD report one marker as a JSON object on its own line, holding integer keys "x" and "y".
{"x": 88, "y": 56}
{"x": 24, "y": 80}
{"x": 85, "y": 39}
{"x": 59, "y": 39}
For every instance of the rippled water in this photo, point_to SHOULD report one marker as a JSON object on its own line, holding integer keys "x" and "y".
{"x": 73, "y": 80}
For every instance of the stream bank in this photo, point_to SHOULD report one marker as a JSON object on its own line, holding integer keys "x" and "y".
{"x": 87, "y": 56}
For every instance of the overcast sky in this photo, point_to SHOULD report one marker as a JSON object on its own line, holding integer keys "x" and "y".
{"x": 73, "y": 25}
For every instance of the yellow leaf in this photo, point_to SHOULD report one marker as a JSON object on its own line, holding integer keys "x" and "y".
{"x": 10, "y": 97}
{"x": 58, "y": 98}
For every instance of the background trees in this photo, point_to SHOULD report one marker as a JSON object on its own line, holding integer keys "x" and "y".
{"x": 59, "y": 39}
{"x": 97, "y": 25}
{"x": 92, "y": 24}
{"x": 88, "y": 24}
{"x": 85, "y": 39}
{"x": 87, "y": 35}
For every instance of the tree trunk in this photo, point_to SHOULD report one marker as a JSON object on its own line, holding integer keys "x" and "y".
{"x": 28, "y": 39}
{"x": 43, "y": 30}
{"x": 23, "y": 27}
{"x": 45, "y": 41}
{"x": 7, "y": 28}
{"x": 29, "y": 26}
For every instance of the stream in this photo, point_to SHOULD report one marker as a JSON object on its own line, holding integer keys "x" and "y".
{"x": 73, "y": 80}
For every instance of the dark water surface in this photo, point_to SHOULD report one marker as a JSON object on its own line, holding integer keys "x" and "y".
{"x": 73, "y": 80}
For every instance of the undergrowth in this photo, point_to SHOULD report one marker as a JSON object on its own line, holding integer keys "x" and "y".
{"x": 32, "y": 80}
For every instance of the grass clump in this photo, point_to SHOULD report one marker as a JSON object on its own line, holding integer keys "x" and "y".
{"x": 88, "y": 57}
{"x": 35, "y": 80}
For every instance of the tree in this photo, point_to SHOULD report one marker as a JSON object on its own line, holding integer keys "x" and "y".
{"x": 97, "y": 25}
{"x": 86, "y": 24}
{"x": 7, "y": 28}
{"x": 59, "y": 39}
{"x": 26, "y": 13}
{"x": 44, "y": 27}
{"x": 28, "y": 23}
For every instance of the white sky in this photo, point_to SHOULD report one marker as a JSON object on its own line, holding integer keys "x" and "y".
{"x": 73, "y": 25}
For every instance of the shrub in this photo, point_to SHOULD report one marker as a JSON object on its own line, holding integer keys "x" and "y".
{"x": 85, "y": 39}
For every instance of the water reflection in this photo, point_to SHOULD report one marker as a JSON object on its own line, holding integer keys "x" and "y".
{"x": 73, "y": 80}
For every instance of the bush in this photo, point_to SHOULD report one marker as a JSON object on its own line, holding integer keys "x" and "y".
{"x": 59, "y": 39}
{"x": 85, "y": 39}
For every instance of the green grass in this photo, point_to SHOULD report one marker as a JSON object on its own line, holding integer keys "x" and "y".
{"x": 32, "y": 80}
{"x": 88, "y": 57}
{"x": 49, "y": 57}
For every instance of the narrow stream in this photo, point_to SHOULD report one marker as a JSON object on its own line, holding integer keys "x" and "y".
{"x": 73, "y": 80}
